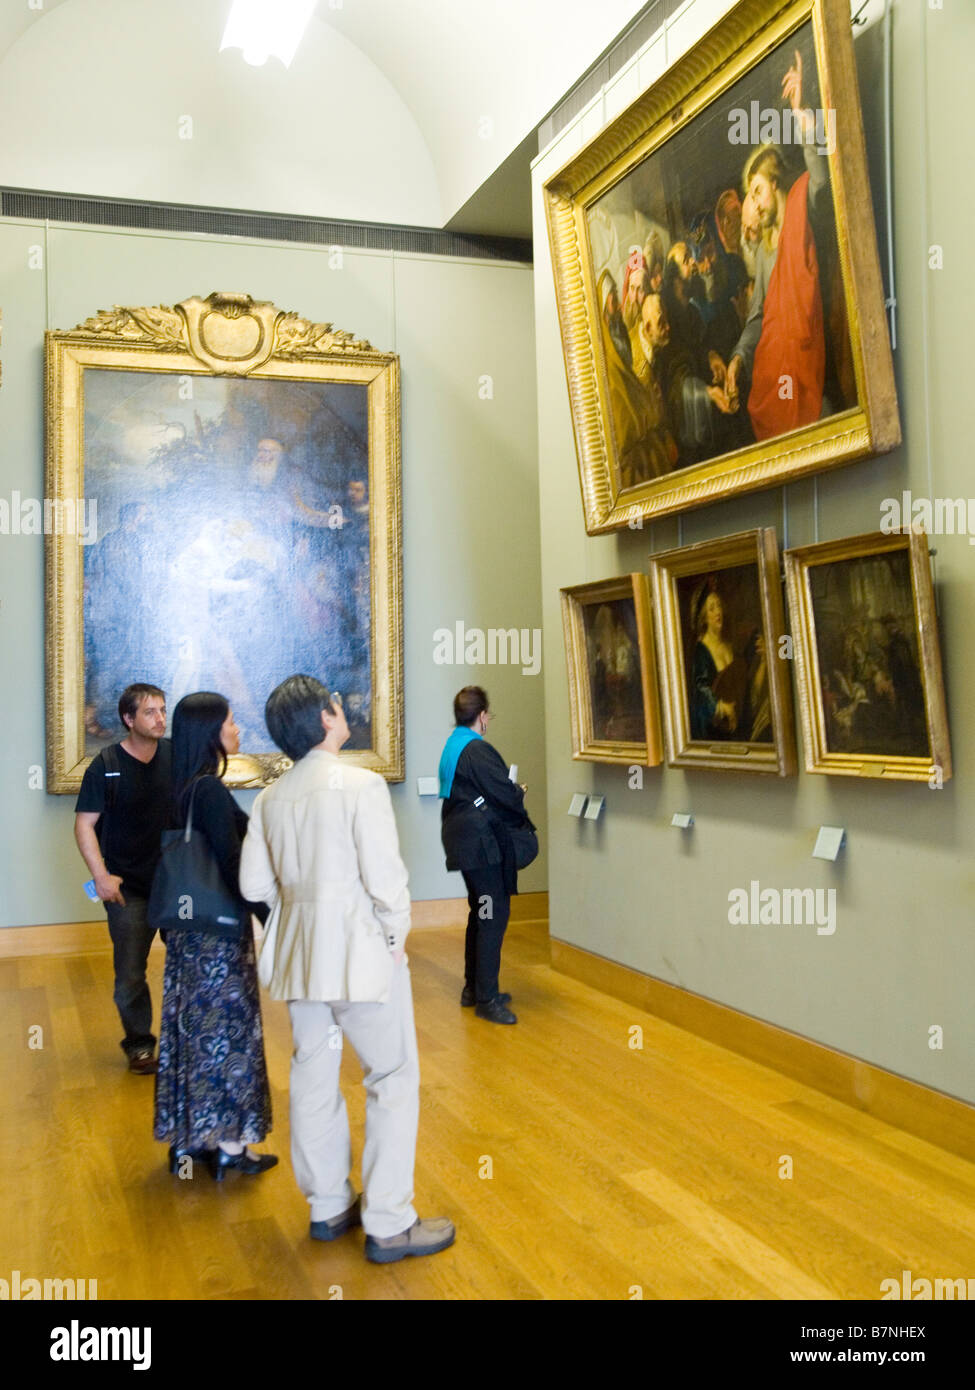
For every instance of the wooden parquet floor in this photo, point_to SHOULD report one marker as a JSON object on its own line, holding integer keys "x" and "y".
{"x": 575, "y": 1164}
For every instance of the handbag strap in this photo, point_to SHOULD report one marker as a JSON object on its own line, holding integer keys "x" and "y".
{"x": 189, "y": 809}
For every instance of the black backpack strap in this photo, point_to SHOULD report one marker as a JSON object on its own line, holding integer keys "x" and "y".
{"x": 113, "y": 771}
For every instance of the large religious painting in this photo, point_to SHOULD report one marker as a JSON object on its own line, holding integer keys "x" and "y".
{"x": 613, "y": 708}
{"x": 719, "y": 620}
{"x": 871, "y": 692}
{"x": 716, "y": 273}
{"x": 240, "y": 475}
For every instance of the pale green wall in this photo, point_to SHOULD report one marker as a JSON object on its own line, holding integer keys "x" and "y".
{"x": 635, "y": 890}
{"x": 469, "y": 492}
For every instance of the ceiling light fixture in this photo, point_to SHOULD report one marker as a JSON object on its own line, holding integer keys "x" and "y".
{"x": 261, "y": 28}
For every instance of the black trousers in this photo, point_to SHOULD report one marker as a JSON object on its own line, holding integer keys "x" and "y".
{"x": 490, "y": 903}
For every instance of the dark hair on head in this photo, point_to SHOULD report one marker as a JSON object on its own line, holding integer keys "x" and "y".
{"x": 699, "y": 603}
{"x": 701, "y": 231}
{"x": 469, "y": 703}
{"x": 293, "y": 715}
{"x": 197, "y": 750}
{"x": 131, "y": 698}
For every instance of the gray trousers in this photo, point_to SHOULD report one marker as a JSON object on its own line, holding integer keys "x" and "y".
{"x": 131, "y": 939}
{"x": 384, "y": 1038}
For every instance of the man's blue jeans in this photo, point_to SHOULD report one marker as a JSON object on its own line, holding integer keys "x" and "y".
{"x": 131, "y": 938}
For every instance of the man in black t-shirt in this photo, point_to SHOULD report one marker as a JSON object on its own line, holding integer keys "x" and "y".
{"x": 126, "y": 794}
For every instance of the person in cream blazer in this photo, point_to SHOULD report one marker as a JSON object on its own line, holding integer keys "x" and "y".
{"x": 322, "y": 850}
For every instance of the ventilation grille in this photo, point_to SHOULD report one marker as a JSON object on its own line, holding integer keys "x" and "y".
{"x": 260, "y": 226}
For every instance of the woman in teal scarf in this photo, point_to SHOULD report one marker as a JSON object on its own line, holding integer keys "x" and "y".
{"x": 480, "y": 803}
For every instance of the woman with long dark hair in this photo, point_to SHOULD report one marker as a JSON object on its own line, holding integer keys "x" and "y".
{"x": 212, "y": 1095}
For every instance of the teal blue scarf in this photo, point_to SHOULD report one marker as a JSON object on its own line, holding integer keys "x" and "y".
{"x": 452, "y": 749}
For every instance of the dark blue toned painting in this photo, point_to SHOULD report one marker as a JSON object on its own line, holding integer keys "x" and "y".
{"x": 233, "y": 546}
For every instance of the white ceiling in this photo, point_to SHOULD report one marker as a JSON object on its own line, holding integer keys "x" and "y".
{"x": 478, "y": 77}
{"x": 393, "y": 110}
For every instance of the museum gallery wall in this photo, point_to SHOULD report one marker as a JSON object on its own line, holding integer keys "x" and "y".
{"x": 718, "y": 485}
{"x": 445, "y": 322}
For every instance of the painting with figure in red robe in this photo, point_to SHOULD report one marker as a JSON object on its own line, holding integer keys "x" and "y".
{"x": 719, "y": 278}
{"x": 722, "y": 300}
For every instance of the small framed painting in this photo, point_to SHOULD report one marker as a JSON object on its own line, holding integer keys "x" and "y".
{"x": 868, "y": 659}
{"x": 719, "y": 620}
{"x": 613, "y": 708}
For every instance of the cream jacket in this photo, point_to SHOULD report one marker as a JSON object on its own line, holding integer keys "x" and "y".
{"x": 322, "y": 850}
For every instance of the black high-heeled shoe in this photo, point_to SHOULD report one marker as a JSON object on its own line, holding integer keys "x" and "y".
{"x": 219, "y": 1162}
{"x": 178, "y": 1156}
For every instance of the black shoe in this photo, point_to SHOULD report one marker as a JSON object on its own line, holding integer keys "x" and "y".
{"x": 178, "y": 1156}
{"x": 142, "y": 1061}
{"x": 495, "y": 1012}
{"x": 245, "y": 1162}
{"x": 331, "y": 1230}
{"x": 468, "y": 998}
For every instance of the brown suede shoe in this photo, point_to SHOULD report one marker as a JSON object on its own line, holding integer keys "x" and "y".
{"x": 422, "y": 1238}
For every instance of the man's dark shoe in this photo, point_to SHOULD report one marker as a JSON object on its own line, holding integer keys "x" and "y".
{"x": 142, "y": 1061}
{"x": 338, "y": 1225}
{"x": 495, "y": 1012}
{"x": 468, "y": 999}
{"x": 422, "y": 1238}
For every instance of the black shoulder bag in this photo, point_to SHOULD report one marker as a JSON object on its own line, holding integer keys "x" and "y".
{"x": 188, "y": 890}
{"x": 524, "y": 839}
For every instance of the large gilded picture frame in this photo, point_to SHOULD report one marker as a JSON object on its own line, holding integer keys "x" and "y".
{"x": 716, "y": 274}
{"x": 238, "y": 470}
{"x": 868, "y": 658}
{"x": 727, "y": 695}
{"x": 614, "y": 712}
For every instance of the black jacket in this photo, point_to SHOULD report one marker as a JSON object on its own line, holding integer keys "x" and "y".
{"x": 476, "y": 835}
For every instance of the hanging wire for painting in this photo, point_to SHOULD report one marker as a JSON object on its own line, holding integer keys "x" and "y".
{"x": 785, "y": 516}
{"x": 856, "y": 18}
{"x": 891, "y": 301}
{"x": 925, "y": 193}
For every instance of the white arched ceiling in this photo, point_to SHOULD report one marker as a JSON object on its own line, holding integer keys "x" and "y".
{"x": 392, "y": 111}
{"x": 479, "y": 75}
{"x": 94, "y": 96}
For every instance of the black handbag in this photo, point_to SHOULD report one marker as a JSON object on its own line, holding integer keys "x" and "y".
{"x": 189, "y": 892}
{"x": 524, "y": 839}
